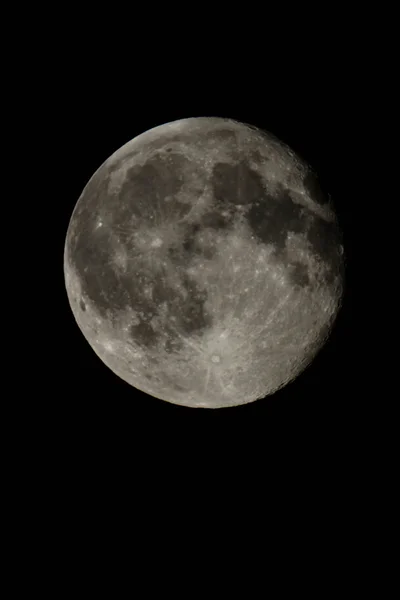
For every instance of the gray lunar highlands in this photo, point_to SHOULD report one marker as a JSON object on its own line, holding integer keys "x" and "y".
{"x": 203, "y": 264}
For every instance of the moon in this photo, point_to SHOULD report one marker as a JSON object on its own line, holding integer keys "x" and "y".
{"x": 203, "y": 263}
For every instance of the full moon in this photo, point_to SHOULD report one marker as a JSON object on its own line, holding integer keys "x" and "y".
{"x": 203, "y": 263}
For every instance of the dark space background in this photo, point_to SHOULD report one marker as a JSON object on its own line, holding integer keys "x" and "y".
{"x": 104, "y": 470}
{"x": 109, "y": 452}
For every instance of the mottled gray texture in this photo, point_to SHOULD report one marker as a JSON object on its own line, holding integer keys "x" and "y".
{"x": 204, "y": 264}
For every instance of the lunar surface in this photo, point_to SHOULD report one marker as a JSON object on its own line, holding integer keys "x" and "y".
{"x": 203, "y": 263}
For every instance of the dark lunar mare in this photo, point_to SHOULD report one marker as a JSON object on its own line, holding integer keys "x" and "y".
{"x": 191, "y": 246}
{"x": 272, "y": 216}
{"x": 145, "y": 189}
{"x": 215, "y": 220}
{"x": 139, "y": 203}
{"x": 236, "y": 184}
{"x": 298, "y": 274}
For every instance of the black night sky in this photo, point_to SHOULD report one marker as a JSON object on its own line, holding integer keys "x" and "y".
{"x": 98, "y": 460}
{"x": 97, "y": 417}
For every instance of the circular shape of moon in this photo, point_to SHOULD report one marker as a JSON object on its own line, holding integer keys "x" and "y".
{"x": 203, "y": 263}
